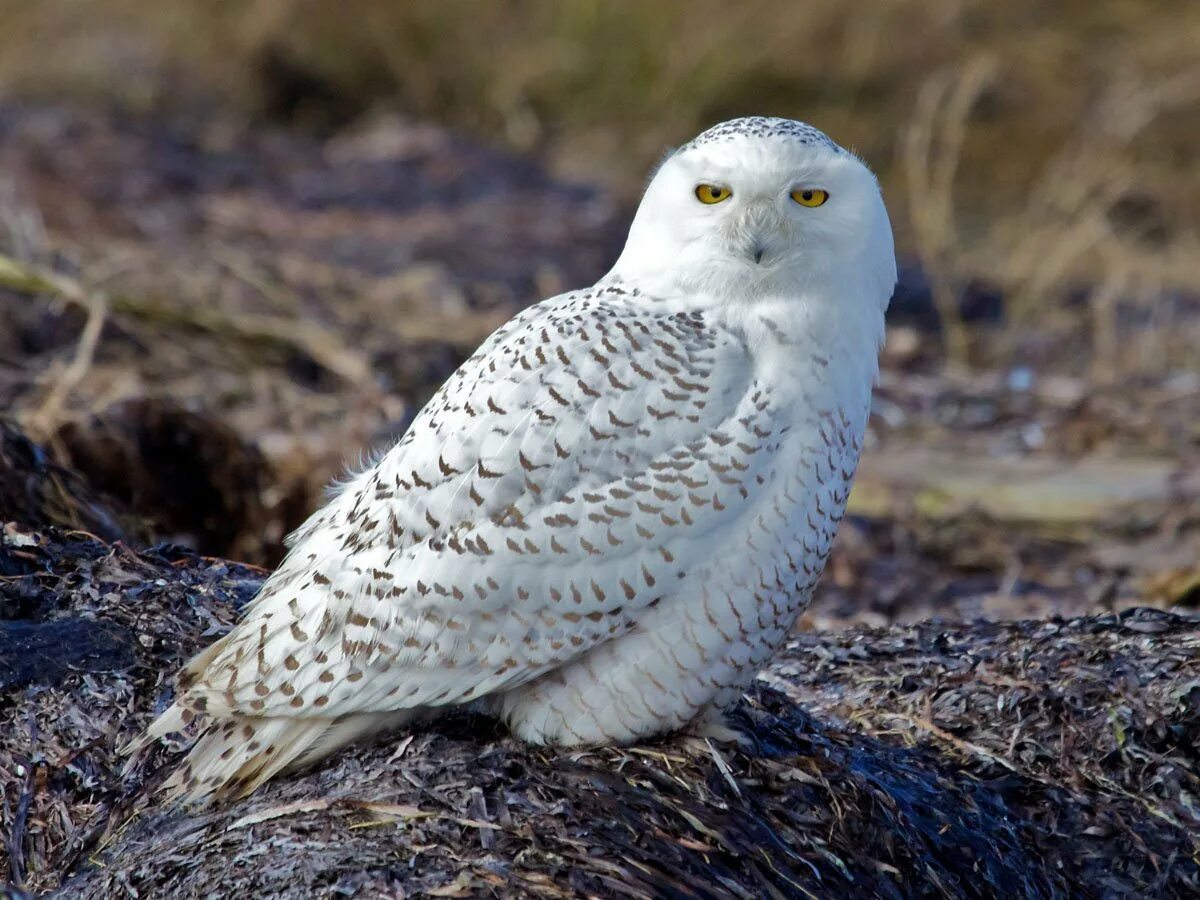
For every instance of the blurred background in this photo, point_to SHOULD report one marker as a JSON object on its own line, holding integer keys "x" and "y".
{"x": 242, "y": 242}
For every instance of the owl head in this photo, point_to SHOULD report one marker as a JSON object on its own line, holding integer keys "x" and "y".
{"x": 763, "y": 208}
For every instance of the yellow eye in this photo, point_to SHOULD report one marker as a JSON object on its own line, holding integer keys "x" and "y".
{"x": 810, "y": 197}
{"x": 711, "y": 193}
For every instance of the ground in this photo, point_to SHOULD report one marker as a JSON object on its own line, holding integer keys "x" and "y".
{"x": 201, "y": 323}
{"x": 1034, "y": 759}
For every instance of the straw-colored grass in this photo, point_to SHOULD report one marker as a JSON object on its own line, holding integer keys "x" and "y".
{"x": 1044, "y": 147}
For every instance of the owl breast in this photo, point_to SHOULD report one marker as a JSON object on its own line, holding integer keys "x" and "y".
{"x": 718, "y": 623}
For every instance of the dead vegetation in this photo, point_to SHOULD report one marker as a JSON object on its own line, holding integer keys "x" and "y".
{"x": 932, "y": 152}
{"x": 1026, "y": 759}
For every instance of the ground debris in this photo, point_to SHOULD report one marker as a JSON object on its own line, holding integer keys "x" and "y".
{"x": 884, "y": 765}
{"x": 270, "y": 297}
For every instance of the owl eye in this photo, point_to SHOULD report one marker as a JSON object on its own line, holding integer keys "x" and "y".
{"x": 810, "y": 197}
{"x": 712, "y": 193}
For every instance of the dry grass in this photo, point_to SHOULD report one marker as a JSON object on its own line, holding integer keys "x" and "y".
{"x": 1047, "y": 148}
{"x": 1094, "y": 220}
{"x": 569, "y": 78}
{"x": 321, "y": 345}
{"x": 933, "y": 145}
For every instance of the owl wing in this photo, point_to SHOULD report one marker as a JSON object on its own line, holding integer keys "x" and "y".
{"x": 586, "y": 457}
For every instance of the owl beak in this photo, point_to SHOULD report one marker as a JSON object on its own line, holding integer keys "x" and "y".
{"x": 761, "y": 230}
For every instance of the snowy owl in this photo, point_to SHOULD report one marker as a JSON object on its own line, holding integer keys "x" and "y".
{"x": 605, "y": 522}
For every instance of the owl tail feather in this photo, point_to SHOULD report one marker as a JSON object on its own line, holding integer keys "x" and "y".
{"x": 233, "y": 756}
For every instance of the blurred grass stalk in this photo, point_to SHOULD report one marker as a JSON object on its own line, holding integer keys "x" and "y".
{"x": 1078, "y": 229}
{"x": 932, "y": 150}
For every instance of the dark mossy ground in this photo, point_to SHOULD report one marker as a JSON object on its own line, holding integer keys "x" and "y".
{"x": 1022, "y": 759}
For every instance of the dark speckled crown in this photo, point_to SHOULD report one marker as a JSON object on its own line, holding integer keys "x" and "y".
{"x": 763, "y": 126}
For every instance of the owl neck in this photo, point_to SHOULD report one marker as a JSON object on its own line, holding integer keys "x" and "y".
{"x": 813, "y": 353}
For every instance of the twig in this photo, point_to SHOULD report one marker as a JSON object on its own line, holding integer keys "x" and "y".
{"x": 46, "y": 416}
{"x": 312, "y": 340}
{"x": 28, "y": 279}
{"x": 723, "y": 767}
{"x": 487, "y": 836}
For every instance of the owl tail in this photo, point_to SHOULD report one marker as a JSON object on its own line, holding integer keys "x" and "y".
{"x": 233, "y": 756}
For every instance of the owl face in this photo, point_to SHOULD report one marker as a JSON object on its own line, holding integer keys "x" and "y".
{"x": 752, "y": 211}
